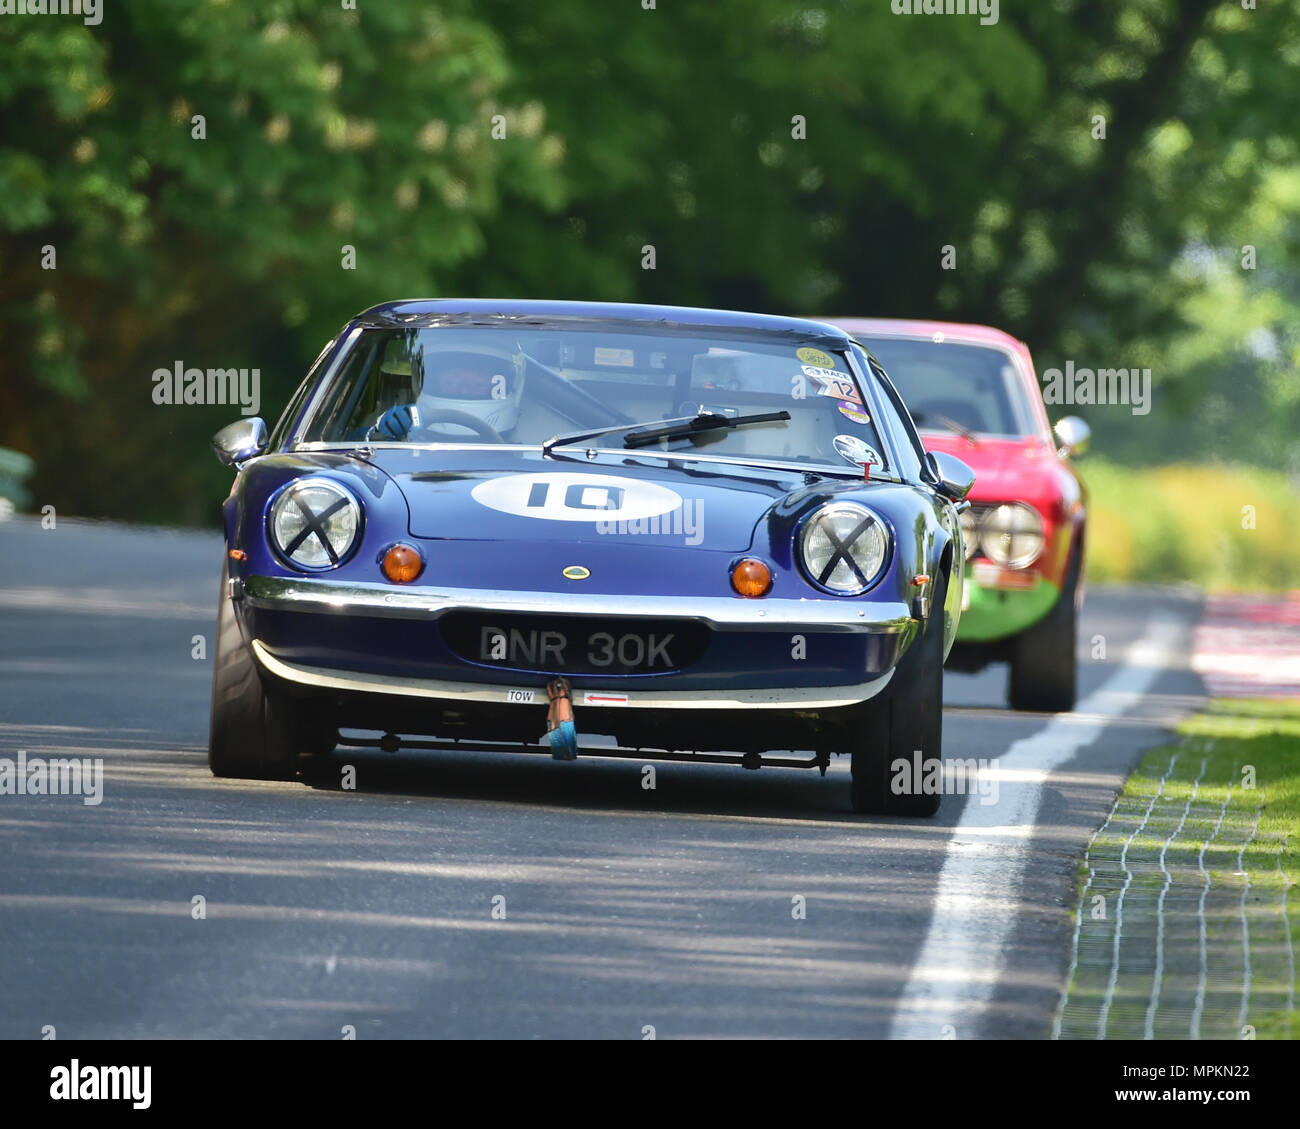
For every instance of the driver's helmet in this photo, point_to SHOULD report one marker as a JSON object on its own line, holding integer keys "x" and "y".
{"x": 483, "y": 381}
{"x": 396, "y": 380}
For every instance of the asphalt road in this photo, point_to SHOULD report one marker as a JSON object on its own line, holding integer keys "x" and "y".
{"x": 625, "y": 909}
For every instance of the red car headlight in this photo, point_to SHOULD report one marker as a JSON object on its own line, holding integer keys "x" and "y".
{"x": 1012, "y": 535}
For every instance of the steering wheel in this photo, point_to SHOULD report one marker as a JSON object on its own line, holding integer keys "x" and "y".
{"x": 463, "y": 419}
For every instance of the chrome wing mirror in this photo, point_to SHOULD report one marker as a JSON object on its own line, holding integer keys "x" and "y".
{"x": 240, "y": 441}
{"x": 1072, "y": 435}
{"x": 951, "y": 475}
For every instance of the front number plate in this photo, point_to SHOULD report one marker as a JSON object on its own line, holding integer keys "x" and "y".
{"x": 557, "y": 650}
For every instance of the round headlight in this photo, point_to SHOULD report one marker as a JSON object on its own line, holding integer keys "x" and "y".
{"x": 314, "y": 523}
{"x": 1012, "y": 535}
{"x": 845, "y": 548}
{"x": 970, "y": 532}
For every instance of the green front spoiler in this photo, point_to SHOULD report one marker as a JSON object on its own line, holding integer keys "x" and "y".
{"x": 991, "y": 614}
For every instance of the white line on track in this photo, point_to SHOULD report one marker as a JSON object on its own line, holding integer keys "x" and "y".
{"x": 1245, "y": 923}
{"x": 1112, "y": 980}
{"x": 1078, "y": 919}
{"x": 1199, "y": 1006}
{"x": 1149, "y": 1024}
{"x": 957, "y": 969}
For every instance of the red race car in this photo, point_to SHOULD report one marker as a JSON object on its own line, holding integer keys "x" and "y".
{"x": 973, "y": 393}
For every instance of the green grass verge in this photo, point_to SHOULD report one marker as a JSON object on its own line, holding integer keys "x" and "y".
{"x": 1187, "y": 812}
{"x": 1266, "y": 735}
{"x": 1219, "y": 526}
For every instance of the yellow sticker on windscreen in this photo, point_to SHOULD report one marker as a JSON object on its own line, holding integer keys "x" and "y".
{"x": 815, "y": 357}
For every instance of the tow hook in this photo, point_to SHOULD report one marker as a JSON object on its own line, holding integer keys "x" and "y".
{"x": 559, "y": 720}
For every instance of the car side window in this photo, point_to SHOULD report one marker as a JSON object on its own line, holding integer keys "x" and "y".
{"x": 911, "y": 452}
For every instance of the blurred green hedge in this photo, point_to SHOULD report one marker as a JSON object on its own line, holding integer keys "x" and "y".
{"x": 1217, "y": 525}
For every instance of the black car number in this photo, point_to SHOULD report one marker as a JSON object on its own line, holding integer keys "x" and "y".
{"x": 554, "y": 650}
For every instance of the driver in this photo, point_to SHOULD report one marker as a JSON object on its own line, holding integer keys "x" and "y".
{"x": 482, "y": 382}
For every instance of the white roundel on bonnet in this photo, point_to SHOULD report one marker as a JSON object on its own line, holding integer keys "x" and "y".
{"x": 563, "y": 496}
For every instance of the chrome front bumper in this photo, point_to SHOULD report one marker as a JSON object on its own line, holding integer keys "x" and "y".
{"x": 584, "y": 693}
{"x": 428, "y": 604}
{"x": 720, "y": 613}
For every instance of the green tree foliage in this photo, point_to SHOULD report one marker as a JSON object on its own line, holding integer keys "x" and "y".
{"x": 1115, "y": 243}
{"x": 776, "y": 156}
{"x": 321, "y": 128}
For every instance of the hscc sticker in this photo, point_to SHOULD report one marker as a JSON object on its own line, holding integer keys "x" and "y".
{"x": 815, "y": 357}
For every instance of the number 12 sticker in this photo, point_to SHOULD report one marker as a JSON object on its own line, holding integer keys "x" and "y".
{"x": 832, "y": 383}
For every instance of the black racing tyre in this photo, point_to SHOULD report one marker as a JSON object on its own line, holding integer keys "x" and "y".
{"x": 255, "y": 732}
{"x": 905, "y": 717}
{"x": 1043, "y": 659}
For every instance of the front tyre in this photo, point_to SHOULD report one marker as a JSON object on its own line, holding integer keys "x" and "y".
{"x": 1043, "y": 658}
{"x": 905, "y": 723}
{"x": 255, "y": 732}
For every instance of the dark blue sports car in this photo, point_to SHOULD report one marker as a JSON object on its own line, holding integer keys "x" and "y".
{"x": 705, "y": 535}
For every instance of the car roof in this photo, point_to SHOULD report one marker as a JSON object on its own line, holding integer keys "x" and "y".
{"x": 919, "y": 328}
{"x": 439, "y": 311}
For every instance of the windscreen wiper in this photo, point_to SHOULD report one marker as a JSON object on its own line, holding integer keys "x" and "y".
{"x": 692, "y": 425}
{"x": 666, "y": 429}
{"x": 595, "y": 433}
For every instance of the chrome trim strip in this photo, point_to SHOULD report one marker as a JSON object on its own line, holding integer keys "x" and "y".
{"x": 832, "y": 469}
{"x": 309, "y": 414}
{"x": 423, "y": 602}
{"x": 402, "y": 445}
{"x": 816, "y": 697}
{"x": 870, "y": 390}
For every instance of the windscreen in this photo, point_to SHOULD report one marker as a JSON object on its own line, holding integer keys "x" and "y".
{"x": 942, "y": 383}
{"x": 498, "y": 385}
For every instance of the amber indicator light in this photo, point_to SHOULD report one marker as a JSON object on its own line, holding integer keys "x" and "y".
{"x": 751, "y": 578}
{"x": 402, "y": 564}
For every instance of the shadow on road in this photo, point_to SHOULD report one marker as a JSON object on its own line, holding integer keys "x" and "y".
{"x": 595, "y": 783}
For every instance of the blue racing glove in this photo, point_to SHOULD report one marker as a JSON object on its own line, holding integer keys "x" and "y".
{"x": 394, "y": 424}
